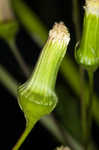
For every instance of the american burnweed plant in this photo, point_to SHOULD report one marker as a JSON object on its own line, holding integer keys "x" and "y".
{"x": 71, "y": 122}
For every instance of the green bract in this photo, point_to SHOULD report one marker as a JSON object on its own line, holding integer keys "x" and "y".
{"x": 87, "y": 53}
{"x": 37, "y": 96}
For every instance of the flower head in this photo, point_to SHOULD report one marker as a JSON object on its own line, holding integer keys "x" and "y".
{"x": 59, "y": 34}
{"x": 87, "y": 53}
{"x": 37, "y": 96}
{"x": 92, "y": 7}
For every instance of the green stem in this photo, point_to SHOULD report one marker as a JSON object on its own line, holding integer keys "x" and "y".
{"x": 21, "y": 140}
{"x": 90, "y": 103}
{"x": 88, "y": 113}
{"x": 50, "y": 122}
{"x": 76, "y": 18}
{"x": 8, "y": 81}
{"x": 18, "y": 57}
{"x": 23, "y": 136}
{"x": 62, "y": 135}
{"x": 83, "y": 105}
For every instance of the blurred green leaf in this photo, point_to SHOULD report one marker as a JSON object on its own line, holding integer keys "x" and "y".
{"x": 69, "y": 112}
{"x": 30, "y": 21}
{"x": 8, "y": 81}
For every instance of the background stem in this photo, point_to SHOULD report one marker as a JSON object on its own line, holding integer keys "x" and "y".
{"x": 76, "y": 18}
{"x": 87, "y": 114}
{"x": 18, "y": 57}
{"x": 89, "y": 108}
{"x": 8, "y": 81}
{"x": 83, "y": 106}
{"x": 77, "y": 24}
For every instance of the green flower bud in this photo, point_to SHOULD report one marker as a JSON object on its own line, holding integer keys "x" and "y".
{"x": 87, "y": 53}
{"x": 37, "y": 96}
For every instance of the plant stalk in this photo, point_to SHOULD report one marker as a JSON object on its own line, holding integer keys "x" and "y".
{"x": 91, "y": 76}
{"x": 22, "y": 138}
{"x": 90, "y": 105}
{"x": 83, "y": 106}
{"x": 19, "y": 58}
{"x": 8, "y": 81}
{"x": 76, "y": 18}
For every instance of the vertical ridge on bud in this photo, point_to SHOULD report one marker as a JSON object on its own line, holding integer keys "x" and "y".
{"x": 52, "y": 53}
{"x": 37, "y": 96}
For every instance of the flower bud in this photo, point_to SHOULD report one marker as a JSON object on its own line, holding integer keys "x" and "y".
{"x": 37, "y": 96}
{"x": 87, "y": 53}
